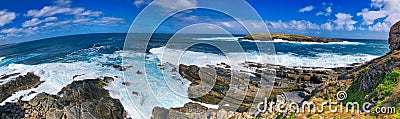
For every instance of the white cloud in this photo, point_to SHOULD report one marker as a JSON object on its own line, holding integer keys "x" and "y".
{"x": 63, "y": 2}
{"x": 292, "y": 25}
{"x": 37, "y": 21}
{"x": 227, "y": 24}
{"x": 380, "y": 26}
{"x": 306, "y": 9}
{"x": 44, "y": 21}
{"x": 16, "y": 31}
{"x": 138, "y": 3}
{"x": 327, "y": 26}
{"x": 173, "y": 5}
{"x": 61, "y": 7}
{"x": 320, "y": 13}
{"x": 6, "y": 17}
{"x": 388, "y": 10}
{"x": 344, "y": 21}
{"x": 328, "y": 10}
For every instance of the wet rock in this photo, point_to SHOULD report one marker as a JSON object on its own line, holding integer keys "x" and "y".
{"x": 24, "y": 82}
{"x": 135, "y": 93}
{"x": 8, "y": 76}
{"x": 81, "y": 99}
{"x": 108, "y": 79}
{"x": 139, "y": 72}
{"x": 121, "y": 68}
{"x": 126, "y": 83}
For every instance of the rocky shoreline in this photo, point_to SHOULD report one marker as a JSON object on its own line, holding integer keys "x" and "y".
{"x": 290, "y": 84}
{"x": 288, "y": 37}
{"x": 78, "y": 100}
{"x": 236, "y": 92}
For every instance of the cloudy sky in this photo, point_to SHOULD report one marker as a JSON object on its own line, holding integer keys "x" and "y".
{"x": 25, "y": 20}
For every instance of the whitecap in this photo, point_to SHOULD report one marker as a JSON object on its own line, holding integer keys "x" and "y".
{"x": 219, "y": 38}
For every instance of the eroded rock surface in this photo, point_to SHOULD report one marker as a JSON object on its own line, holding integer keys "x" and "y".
{"x": 80, "y": 100}
{"x": 394, "y": 37}
{"x": 22, "y": 82}
{"x": 190, "y": 111}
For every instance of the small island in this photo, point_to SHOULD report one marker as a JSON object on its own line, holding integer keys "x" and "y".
{"x": 288, "y": 37}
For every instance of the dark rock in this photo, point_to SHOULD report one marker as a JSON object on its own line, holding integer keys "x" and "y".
{"x": 108, "y": 79}
{"x": 394, "y": 37}
{"x": 126, "y": 83}
{"x": 8, "y": 76}
{"x": 11, "y": 110}
{"x": 27, "y": 81}
{"x": 81, "y": 99}
{"x": 135, "y": 93}
{"x": 190, "y": 111}
{"x": 139, "y": 72}
{"x": 121, "y": 68}
{"x": 77, "y": 76}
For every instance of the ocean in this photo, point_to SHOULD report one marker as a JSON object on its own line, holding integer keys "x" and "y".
{"x": 58, "y": 60}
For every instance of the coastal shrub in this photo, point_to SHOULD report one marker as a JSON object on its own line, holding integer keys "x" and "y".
{"x": 397, "y": 115}
{"x": 389, "y": 82}
{"x": 386, "y": 89}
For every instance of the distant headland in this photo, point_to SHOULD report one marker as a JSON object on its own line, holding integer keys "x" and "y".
{"x": 288, "y": 37}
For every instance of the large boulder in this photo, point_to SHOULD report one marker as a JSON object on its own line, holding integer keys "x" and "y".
{"x": 22, "y": 82}
{"x": 85, "y": 99}
{"x": 394, "y": 37}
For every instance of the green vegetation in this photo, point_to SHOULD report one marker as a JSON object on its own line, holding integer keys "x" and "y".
{"x": 101, "y": 84}
{"x": 389, "y": 81}
{"x": 397, "y": 115}
{"x": 384, "y": 88}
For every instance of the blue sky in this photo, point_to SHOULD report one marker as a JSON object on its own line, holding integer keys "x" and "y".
{"x": 25, "y": 20}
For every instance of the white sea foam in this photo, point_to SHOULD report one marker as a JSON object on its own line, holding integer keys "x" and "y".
{"x": 152, "y": 90}
{"x": 219, "y": 38}
{"x": 155, "y": 87}
{"x": 327, "y": 60}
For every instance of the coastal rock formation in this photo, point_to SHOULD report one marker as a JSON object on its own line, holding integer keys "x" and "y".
{"x": 394, "y": 37}
{"x": 211, "y": 84}
{"x": 190, "y": 111}
{"x": 24, "y": 82}
{"x": 289, "y": 37}
{"x": 369, "y": 76}
{"x": 80, "y": 100}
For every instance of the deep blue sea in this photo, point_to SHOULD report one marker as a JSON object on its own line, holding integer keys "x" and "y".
{"x": 57, "y": 60}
